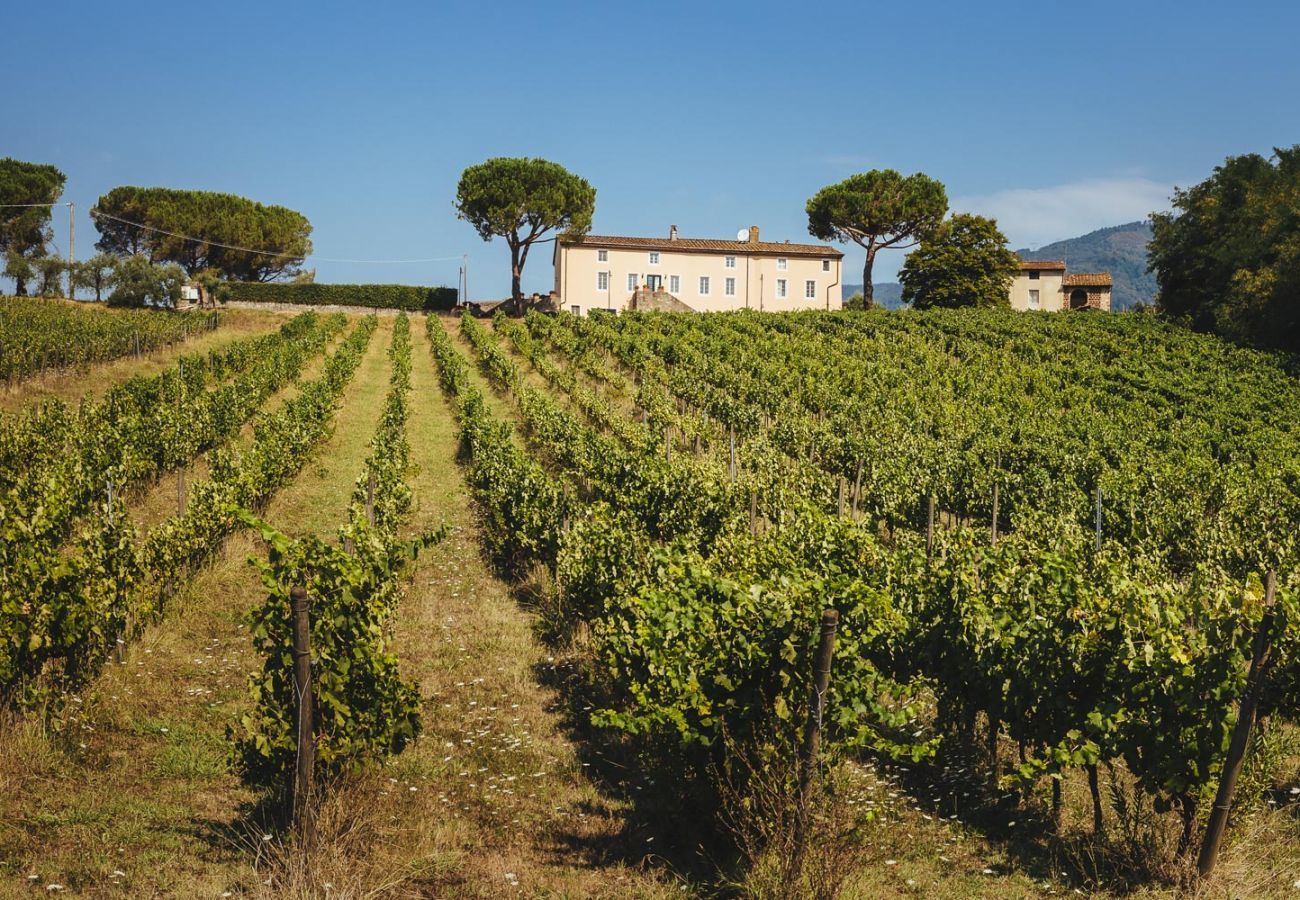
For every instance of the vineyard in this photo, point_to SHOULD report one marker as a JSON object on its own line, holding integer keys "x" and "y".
{"x": 42, "y": 335}
{"x": 555, "y": 591}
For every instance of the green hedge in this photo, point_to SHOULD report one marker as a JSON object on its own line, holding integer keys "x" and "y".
{"x": 374, "y": 296}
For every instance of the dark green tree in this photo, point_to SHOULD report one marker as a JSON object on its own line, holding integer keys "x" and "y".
{"x": 96, "y": 273}
{"x": 27, "y": 194}
{"x": 877, "y": 210}
{"x": 964, "y": 262}
{"x": 20, "y": 269}
{"x": 138, "y": 282}
{"x": 241, "y": 239}
{"x": 1227, "y": 259}
{"x": 521, "y": 200}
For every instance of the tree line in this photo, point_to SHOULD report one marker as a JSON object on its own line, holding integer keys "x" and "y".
{"x": 1226, "y": 257}
{"x": 151, "y": 240}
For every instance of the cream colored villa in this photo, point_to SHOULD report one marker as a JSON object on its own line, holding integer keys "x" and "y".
{"x": 694, "y": 274}
{"x": 1044, "y": 284}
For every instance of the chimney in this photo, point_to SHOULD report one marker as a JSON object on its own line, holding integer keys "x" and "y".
{"x": 753, "y": 234}
{"x": 672, "y": 232}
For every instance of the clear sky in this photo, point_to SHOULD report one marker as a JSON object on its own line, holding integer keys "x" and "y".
{"x": 1055, "y": 118}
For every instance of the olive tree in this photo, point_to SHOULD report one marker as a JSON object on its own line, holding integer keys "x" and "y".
{"x": 138, "y": 282}
{"x": 521, "y": 200}
{"x": 95, "y": 274}
{"x": 877, "y": 210}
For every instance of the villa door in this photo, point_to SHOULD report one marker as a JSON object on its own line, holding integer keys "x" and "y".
{"x": 654, "y": 282}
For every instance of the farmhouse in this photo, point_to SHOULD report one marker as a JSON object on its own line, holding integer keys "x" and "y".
{"x": 1045, "y": 284}
{"x": 694, "y": 274}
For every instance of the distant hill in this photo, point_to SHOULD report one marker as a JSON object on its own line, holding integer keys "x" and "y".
{"x": 1120, "y": 250}
{"x": 888, "y": 294}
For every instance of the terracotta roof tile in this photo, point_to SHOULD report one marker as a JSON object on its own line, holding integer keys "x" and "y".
{"x": 1087, "y": 279}
{"x": 1047, "y": 264}
{"x": 707, "y": 245}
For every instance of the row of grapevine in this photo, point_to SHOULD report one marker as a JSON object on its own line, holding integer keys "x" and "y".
{"x": 362, "y": 708}
{"x": 1081, "y": 657}
{"x": 37, "y": 335}
{"x": 54, "y": 460}
{"x": 66, "y": 606}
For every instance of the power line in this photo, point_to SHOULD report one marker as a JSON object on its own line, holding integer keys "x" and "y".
{"x": 185, "y": 237}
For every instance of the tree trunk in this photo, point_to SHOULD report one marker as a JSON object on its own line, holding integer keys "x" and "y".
{"x": 516, "y": 272}
{"x": 868, "y": 291}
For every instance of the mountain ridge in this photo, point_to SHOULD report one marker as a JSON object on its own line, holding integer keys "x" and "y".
{"x": 1118, "y": 249}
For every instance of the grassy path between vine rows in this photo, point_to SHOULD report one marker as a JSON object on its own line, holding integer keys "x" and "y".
{"x": 491, "y": 801}
{"x": 93, "y": 380}
{"x": 155, "y": 502}
{"x": 139, "y": 782}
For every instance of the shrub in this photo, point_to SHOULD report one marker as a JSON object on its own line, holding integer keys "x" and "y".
{"x": 375, "y": 296}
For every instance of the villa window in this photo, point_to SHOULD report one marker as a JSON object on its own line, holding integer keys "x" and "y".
{"x": 704, "y": 285}
{"x": 729, "y": 287}
{"x": 810, "y": 290}
{"x": 674, "y": 284}
{"x": 602, "y": 256}
{"x": 654, "y": 257}
{"x": 780, "y": 289}
{"x": 602, "y": 281}
{"x": 729, "y": 262}
{"x": 631, "y": 281}
{"x": 826, "y": 265}
{"x": 782, "y": 263}
{"x": 1033, "y": 300}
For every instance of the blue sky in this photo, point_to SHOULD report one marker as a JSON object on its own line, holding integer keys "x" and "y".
{"x": 1055, "y": 118}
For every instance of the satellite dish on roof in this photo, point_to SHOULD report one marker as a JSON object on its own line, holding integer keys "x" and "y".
{"x": 742, "y": 234}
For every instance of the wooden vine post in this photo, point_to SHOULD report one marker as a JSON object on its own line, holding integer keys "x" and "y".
{"x": 857, "y": 489}
{"x": 370, "y": 499}
{"x": 1098, "y": 518}
{"x": 180, "y": 469}
{"x": 929, "y": 529}
{"x": 1261, "y": 657}
{"x": 812, "y": 734}
{"x": 304, "y": 819}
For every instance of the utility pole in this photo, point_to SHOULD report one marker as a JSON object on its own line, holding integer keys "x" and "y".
{"x": 465, "y": 268}
{"x": 72, "y": 249}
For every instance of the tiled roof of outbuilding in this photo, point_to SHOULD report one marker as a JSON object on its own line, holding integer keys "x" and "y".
{"x": 1046, "y": 264}
{"x": 1087, "y": 279}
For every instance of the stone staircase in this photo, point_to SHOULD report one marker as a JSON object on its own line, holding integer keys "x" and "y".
{"x": 657, "y": 300}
